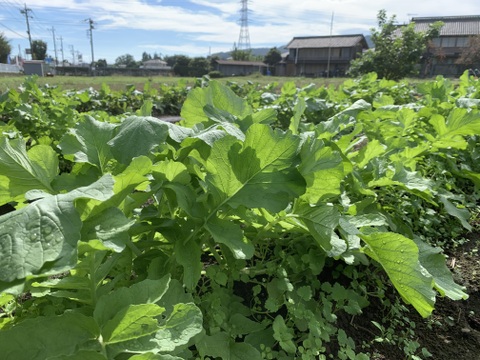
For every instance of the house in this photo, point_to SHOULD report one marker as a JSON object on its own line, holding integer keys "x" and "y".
{"x": 156, "y": 64}
{"x": 235, "y": 68}
{"x": 322, "y": 55}
{"x": 447, "y": 48}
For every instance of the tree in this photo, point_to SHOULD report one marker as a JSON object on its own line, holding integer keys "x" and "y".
{"x": 182, "y": 65}
{"x": 199, "y": 66}
{"x": 397, "y": 49}
{"x": 470, "y": 55}
{"x": 126, "y": 60}
{"x": 240, "y": 55}
{"x": 39, "y": 49}
{"x": 5, "y": 48}
{"x": 146, "y": 56}
{"x": 273, "y": 57}
{"x": 101, "y": 63}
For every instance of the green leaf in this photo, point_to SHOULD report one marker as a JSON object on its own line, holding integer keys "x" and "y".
{"x": 183, "y": 323}
{"x": 284, "y": 335}
{"x": 80, "y": 355}
{"x": 216, "y": 95}
{"x": 110, "y": 226}
{"x": 372, "y": 150}
{"x": 188, "y": 256}
{"x": 48, "y": 337}
{"x": 151, "y": 356}
{"x": 223, "y": 346}
{"x": 298, "y": 111}
{"x": 145, "y": 292}
{"x": 88, "y": 142}
{"x": 241, "y": 325}
{"x": 230, "y": 234}
{"x": 138, "y": 136}
{"x": 41, "y": 238}
{"x": 434, "y": 262}
{"x": 322, "y": 168}
{"x": 399, "y": 257}
{"x": 321, "y": 222}
{"x": 132, "y": 322}
{"x": 125, "y": 183}
{"x": 459, "y": 122}
{"x": 259, "y": 173}
{"x": 22, "y": 171}
{"x": 463, "y": 215}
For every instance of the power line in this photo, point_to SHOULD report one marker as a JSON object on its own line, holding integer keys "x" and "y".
{"x": 13, "y": 31}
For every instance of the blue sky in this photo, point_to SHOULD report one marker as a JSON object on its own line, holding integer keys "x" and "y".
{"x": 196, "y": 27}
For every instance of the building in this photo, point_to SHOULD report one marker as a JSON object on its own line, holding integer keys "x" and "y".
{"x": 322, "y": 55}
{"x": 236, "y": 68}
{"x": 447, "y": 48}
{"x": 156, "y": 64}
{"x": 37, "y": 67}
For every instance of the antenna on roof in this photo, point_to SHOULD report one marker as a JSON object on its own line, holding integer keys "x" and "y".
{"x": 244, "y": 37}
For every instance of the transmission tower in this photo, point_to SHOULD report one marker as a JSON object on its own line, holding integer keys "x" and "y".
{"x": 244, "y": 37}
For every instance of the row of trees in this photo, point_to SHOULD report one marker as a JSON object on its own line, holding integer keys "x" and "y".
{"x": 183, "y": 65}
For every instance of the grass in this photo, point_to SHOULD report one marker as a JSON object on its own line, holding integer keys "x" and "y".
{"x": 120, "y": 82}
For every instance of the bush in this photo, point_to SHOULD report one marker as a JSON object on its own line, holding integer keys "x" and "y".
{"x": 215, "y": 74}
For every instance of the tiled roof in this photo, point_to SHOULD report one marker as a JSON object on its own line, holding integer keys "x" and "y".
{"x": 453, "y": 25}
{"x": 325, "y": 41}
{"x": 235, "y": 62}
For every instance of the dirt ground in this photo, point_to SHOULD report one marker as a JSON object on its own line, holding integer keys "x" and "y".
{"x": 453, "y": 330}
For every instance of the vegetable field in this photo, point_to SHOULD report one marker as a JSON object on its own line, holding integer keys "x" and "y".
{"x": 259, "y": 226}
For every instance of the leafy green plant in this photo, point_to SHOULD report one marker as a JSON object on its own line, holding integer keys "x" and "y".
{"x": 227, "y": 235}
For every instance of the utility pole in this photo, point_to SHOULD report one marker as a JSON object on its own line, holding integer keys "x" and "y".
{"x": 72, "y": 51}
{"x": 329, "y": 47}
{"x": 25, "y": 11}
{"x": 61, "y": 49}
{"x": 54, "y": 45}
{"x": 90, "y": 31}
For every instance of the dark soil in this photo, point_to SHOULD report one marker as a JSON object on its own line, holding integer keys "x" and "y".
{"x": 452, "y": 331}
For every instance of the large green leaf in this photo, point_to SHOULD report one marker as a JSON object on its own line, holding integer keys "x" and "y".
{"x": 260, "y": 173}
{"x": 434, "y": 262}
{"x": 183, "y": 323}
{"x": 145, "y": 292}
{"x": 132, "y": 322}
{"x": 138, "y": 136}
{"x": 48, "y": 337}
{"x": 21, "y": 171}
{"x": 230, "y": 234}
{"x": 88, "y": 142}
{"x": 322, "y": 168}
{"x": 460, "y": 122}
{"x": 216, "y": 95}
{"x": 125, "y": 183}
{"x": 42, "y": 237}
{"x": 399, "y": 257}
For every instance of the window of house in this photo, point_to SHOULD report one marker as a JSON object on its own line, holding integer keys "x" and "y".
{"x": 462, "y": 41}
{"x": 436, "y": 42}
{"x": 448, "y": 41}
